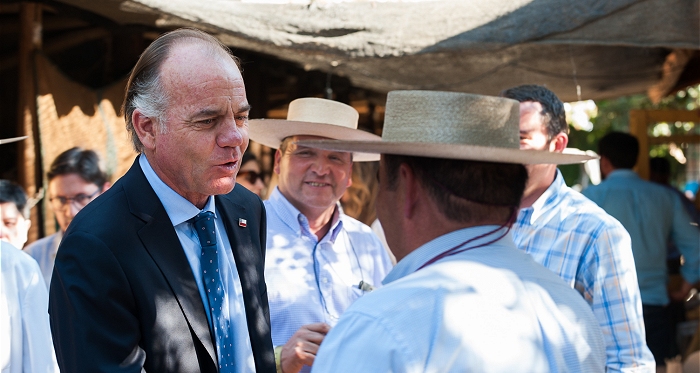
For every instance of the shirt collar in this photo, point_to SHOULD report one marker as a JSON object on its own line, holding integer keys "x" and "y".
{"x": 296, "y": 221}
{"x": 413, "y": 261}
{"x": 539, "y": 207}
{"x": 176, "y": 206}
{"x": 622, "y": 173}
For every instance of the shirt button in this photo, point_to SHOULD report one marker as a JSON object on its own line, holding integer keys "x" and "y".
{"x": 324, "y": 280}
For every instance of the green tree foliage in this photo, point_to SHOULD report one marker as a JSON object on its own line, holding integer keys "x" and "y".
{"x": 613, "y": 115}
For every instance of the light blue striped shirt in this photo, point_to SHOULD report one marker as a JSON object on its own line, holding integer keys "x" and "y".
{"x": 311, "y": 280}
{"x": 180, "y": 211}
{"x": 653, "y": 215}
{"x": 490, "y": 309}
{"x": 591, "y": 251}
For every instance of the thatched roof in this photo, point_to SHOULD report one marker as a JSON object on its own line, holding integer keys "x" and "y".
{"x": 608, "y": 48}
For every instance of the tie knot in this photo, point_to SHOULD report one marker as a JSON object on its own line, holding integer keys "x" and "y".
{"x": 206, "y": 230}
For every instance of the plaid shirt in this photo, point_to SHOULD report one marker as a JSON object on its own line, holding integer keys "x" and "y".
{"x": 569, "y": 234}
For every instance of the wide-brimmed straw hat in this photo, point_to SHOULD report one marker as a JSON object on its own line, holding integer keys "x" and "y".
{"x": 314, "y": 117}
{"x": 451, "y": 125}
{"x": 13, "y": 139}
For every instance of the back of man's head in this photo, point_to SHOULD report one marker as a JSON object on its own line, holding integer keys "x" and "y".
{"x": 14, "y": 194}
{"x": 81, "y": 162}
{"x": 467, "y": 192}
{"x": 659, "y": 170}
{"x": 552, "y": 107}
{"x": 144, "y": 89}
{"x": 620, "y": 149}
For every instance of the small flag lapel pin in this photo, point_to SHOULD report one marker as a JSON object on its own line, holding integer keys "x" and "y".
{"x": 242, "y": 222}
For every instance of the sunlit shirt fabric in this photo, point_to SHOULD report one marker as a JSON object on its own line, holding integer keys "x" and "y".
{"x": 490, "y": 309}
{"x": 652, "y": 214}
{"x": 44, "y": 252}
{"x": 180, "y": 212}
{"x": 591, "y": 251}
{"x": 298, "y": 294}
{"x": 25, "y": 335}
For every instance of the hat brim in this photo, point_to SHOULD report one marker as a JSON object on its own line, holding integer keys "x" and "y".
{"x": 451, "y": 151}
{"x": 271, "y": 132}
{"x": 13, "y": 139}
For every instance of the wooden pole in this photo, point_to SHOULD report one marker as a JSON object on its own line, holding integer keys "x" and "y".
{"x": 29, "y": 166}
{"x": 639, "y": 123}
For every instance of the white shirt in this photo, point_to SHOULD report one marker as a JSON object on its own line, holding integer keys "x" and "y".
{"x": 180, "y": 212}
{"x": 311, "y": 281}
{"x": 490, "y": 309}
{"x": 25, "y": 334}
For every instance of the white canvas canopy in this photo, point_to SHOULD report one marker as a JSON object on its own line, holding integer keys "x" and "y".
{"x": 595, "y": 48}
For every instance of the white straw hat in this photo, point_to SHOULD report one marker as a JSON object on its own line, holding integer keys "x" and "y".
{"x": 451, "y": 125}
{"x": 7, "y": 141}
{"x": 314, "y": 117}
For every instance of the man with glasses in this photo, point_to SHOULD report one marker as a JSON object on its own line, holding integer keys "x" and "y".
{"x": 75, "y": 179}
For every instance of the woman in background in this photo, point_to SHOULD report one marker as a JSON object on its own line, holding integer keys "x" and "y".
{"x": 249, "y": 176}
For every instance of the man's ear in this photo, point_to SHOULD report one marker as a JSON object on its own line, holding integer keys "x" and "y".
{"x": 411, "y": 189}
{"x": 278, "y": 158}
{"x": 559, "y": 142}
{"x": 145, "y": 129}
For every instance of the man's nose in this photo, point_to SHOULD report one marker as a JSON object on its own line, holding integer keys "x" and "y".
{"x": 321, "y": 166}
{"x": 232, "y": 134}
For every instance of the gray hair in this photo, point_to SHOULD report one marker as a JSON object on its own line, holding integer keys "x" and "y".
{"x": 145, "y": 91}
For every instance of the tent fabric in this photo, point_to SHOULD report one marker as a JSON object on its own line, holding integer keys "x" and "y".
{"x": 71, "y": 115}
{"x": 598, "y": 48}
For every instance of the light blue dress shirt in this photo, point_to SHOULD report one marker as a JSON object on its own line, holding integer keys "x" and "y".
{"x": 311, "y": 281}
{"x": 490, "y": 309}
{"x": 180, "y": 211}
{"x": 44, "y": 252}
{"x": 592, "y": 252}
{"x": 653, "y": 215}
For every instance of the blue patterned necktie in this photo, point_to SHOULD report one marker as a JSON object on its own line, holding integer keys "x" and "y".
{"x": 206, "y": 231}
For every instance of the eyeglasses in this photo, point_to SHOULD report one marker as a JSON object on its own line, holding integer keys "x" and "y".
{"x": 81, "y": 200}
{"x": 252, "y": 176}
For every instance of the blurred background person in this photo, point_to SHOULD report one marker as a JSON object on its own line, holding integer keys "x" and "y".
{"x": 359, "y": 200}
{"x": 249, "y": 175}
{"x": 14, "y": 211}
{"x": 653, "y": 216}
{"x": 25, "y": 335}
{"x": 75, "y": 179}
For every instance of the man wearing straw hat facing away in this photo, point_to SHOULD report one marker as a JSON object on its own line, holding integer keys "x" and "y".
{"x": 462, "y": 297}
{"x": 319, "y": 260}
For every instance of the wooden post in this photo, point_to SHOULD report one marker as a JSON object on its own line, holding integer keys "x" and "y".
{"x": 29, "y": 160}
{"x": 638, "y": 128}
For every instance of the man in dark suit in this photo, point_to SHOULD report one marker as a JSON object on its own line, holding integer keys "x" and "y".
{"x": 164, "y": 271}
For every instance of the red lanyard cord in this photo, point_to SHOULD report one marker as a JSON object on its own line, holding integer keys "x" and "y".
{"x": 460, "y": 247}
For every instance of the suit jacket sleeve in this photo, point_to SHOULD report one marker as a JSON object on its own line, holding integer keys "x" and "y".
{"x": 90, "y": 335}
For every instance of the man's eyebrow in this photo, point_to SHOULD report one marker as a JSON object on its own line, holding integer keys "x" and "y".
{"x": 207, "y": 113}
{"x": 243, "y": 108}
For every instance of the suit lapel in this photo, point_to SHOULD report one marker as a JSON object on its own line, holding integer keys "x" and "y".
{"x": 244, "y": 252}
{"x": 160, "y": 240}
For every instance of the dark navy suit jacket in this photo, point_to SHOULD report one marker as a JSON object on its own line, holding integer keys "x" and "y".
{"x": 123, "y": 297}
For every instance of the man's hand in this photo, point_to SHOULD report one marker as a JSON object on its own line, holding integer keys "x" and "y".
{"x": 301, "y": 348}
{"x": 681, "y": 293}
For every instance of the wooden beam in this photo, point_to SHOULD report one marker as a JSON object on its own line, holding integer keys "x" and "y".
{"x": 29, "y": 156}
{"x": 656, "y": 116}
{"x": 677, "y": 139}
{"x": 60, "y": 43}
